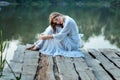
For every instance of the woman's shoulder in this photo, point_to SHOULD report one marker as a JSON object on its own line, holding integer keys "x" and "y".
{"x": 49, "y": 27}
{"x": 68, "y": 19}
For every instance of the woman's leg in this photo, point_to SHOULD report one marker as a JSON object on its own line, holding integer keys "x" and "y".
{"x": 36, "y": 46}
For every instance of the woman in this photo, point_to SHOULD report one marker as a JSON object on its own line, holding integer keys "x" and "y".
{"x": 60, "y": 38}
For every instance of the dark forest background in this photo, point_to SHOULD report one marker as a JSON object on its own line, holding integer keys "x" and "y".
{"x": 26, "y": 18}
{"x": 115, "y": 3}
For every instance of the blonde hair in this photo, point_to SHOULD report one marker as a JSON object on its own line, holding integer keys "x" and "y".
{"x": 52, "y": 16}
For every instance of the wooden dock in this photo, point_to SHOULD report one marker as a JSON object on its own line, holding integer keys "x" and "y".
{"x": 24, "y": 64}
{"x": 101, "y": 64}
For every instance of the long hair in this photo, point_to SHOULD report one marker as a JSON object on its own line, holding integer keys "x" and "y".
{"x": 52, "y": 16}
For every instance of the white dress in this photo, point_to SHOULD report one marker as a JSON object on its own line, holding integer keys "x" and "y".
{"x": 65, "y": 42}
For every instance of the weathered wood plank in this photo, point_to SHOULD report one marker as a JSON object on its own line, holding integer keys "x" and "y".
{"x": 30, "y": 63}
{"x": 116, "y": 51}
{"x": 27, "y": 77}
{"x": 50, "y": 72}
{"x": 16, "y": 67}
{"x": 115, "y": 72}
{"x": 29, "y": 69}
{"x": 18, "y": 54}
{"x": 24, "y": 63}
{"x": 43, "y": 68}
{"x": 31, "y": 57}
{"x": 98, "y": 71}
{"x": 118, "y": 54}
{"x": 66, "y": 69}
{"x": 15, "y": 64}
{"x": 98, "y": 65}
{"x": 82, "y": 68}
{"x": 115, "y": 59}
{"x": 31, "y": 54}
{"x": 9, "y": 76}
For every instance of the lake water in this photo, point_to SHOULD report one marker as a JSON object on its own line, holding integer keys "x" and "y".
{"x": 22, "y": 24}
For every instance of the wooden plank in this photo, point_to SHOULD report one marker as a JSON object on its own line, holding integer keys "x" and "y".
{"x": 98, "y": 71}
{"x": 114, "y": 71}
{"x": 110, "y": 54}
{"x": 19, "y": 54}
{"x": 43, "y": 68}
{"x": 31, "y": 54}
{"x": 29, "y": 69}
{"x": 16, "y": 67}
{"x": 9, "y": 76}
{"x": 50, "y": 72}
{"x": 15, "y": 64}
{"x": 116, "y": 51}
{"x": 84, "y": 71}
{"x": 66, "y": 69}
{"x": 24, "y": 62}
{"x": 27, "y": 77}
{"x": 29, "y": 61}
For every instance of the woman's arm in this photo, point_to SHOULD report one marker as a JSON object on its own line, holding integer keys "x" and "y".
{"x": 59, "y": 36}
{"x": 46, "y": 34}
{"x": 64, "y": 32}
{"x": 44, "y": 37}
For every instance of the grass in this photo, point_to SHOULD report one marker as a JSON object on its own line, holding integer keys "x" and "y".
{"x": 2, "y": 48}
{"x": 3, "y": 61}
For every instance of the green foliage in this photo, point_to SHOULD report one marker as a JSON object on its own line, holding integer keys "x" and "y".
{"x": 4, "y": 61}
{"x": 2, "y": 48}
{"x": 27, "y": 21}
{"x": 112, "y": 3}
{"x": 115, "y": 3}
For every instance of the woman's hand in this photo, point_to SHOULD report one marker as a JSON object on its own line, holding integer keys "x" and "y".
{"x": 44, "y": 37}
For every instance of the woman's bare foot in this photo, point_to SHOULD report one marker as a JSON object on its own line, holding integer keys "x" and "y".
{"x": 29, "y": 48}
{"x": 34, "y": 48}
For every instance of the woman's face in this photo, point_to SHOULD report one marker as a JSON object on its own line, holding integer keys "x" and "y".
{"x": 58, "y": 20}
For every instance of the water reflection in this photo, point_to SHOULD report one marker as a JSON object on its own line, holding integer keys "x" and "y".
{"x": 26, "y": 22}
{"x": 98, "y": 42}
{"x": 9, "y": 52}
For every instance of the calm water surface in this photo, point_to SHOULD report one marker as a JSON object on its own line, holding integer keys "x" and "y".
{"x": 22, "y": 24}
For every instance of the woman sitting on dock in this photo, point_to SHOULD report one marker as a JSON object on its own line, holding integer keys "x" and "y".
{"x": 61, "y": 37}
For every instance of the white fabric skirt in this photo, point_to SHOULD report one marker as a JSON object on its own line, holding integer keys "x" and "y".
{"x": 53, "y": 47}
